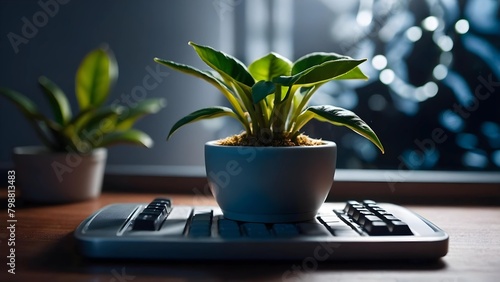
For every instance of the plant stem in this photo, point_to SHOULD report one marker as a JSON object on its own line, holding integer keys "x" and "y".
{"x": 277, "y": 118}
{"x": 298, "y": 110}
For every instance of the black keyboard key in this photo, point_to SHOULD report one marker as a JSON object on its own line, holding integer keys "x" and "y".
{"x": 154, "y": 211}
{"x": 390, "y": 218}
{"x": 164, "y": 201}
{"x": 157, "y": 206}
{"x": 354, "y": 209}
{"x": 147, "y": 222}
{"x": 376, "y": 228}
{"x": 350, "y": 206}
{"x": 176, "y": 222}
{"x": 399, "y": 228}
{"x": 285, "y": 230}
{"x": 199, "y": 231}
{"x": 258, "y": 230}
{"x": 361, "y": 213}
{"x": 201, "y": 223}
{"x": 369, "y": 202}
{"x": 226, "y": 224}
{"x": 152, "y": 216}
{"x": 370, "y": 218}
{"x": 228, "y": 228}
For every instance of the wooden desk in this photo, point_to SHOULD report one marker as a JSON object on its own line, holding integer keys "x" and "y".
{"x": 45, "y": 251}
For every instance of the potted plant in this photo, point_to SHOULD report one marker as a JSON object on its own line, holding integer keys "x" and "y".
{"x": 70, "y": 165}
{"x": 272, "y": 172}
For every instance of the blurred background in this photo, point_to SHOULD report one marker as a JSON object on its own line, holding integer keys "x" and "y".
{"x": 433, "y": 96}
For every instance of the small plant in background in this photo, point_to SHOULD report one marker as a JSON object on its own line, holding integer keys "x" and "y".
{"x": 95, "y": 125}
{"x": 270, "y": 97}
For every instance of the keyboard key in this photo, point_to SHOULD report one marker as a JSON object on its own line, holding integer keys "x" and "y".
{"x": 225, "y": 224}
{"x": 199, "y": 231}
{"x": 285, "y": 230}
{"x": 389, "y": 218}
{"x": 369, "y": 202}
{"x": 164, "y": 201}
{"x": 399, "y": 228}
{"x": 354, "y": 209}
{"x": 370, "y": 218}
{"x": 157, "y": 206}
{"x": 146, "y": 222}
{"x": 361, "y": 213}
{"x": 228, "y": 228}
{"x": 175, "y": 223}
{"x": 201, "y": 223}
{"x": 376, "y": 228}
{"x": 256, "y": 230}
{"x": 349, "y": 205}
{"x": 153, "y": 215}
{"x": 154, "y": 211}
{"x": 202, "y": 215}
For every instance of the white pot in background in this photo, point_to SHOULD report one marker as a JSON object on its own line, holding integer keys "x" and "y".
{"x": 270, "y": 184}
{"x": 54, "y": 177}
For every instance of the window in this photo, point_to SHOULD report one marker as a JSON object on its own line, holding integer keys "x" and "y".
{"x": 432, "y": 98}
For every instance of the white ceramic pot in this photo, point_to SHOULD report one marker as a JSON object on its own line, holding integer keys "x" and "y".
{"x": 48, "y": 177}
{"x": 270, "y": 184}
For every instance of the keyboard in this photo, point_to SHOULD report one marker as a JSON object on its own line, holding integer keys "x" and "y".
{"x": 352, "y": 230}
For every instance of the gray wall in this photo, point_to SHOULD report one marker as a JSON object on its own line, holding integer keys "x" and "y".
{"x": 137, "y": 31}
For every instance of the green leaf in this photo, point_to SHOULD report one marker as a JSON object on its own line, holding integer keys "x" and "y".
{"x": 206, "y": 113}
{"x": 131, "y": 136}
{"x": 132, "y": 114}
{"x": 98, "y": 121}
{"x": 205, "y": 75}
{"x": 25, "y": 105}
{"x": 320, "y": 73}
{"x": 261, "y": 89}
{"x": 224, "y": 64}
{"x": 355, "y": 73}
{"x": 342, "y": 117}
{"x": 314, "y": 59}
{"x": 57, "y": 99}
{"x": 208, "y": 77}
{"x": 44, "y": 127}
{"x": 95, "y": 76}
{"x": 270, "y": 66}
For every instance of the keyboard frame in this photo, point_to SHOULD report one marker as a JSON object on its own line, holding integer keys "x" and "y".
{"x": 111, "y": 239}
